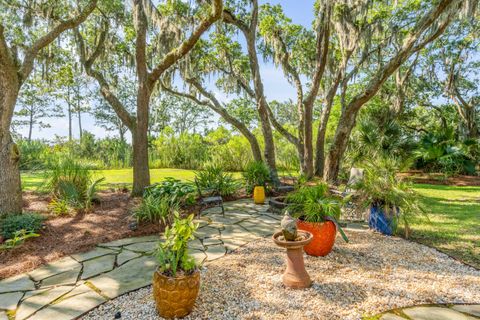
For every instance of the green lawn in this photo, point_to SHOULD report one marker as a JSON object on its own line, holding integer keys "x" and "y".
{"x": 34, "y": 180}
{"x": 452, "y": 226}
{"x": 453, "y": 223}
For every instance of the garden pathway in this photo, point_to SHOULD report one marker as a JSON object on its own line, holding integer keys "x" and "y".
{"x": 73, "y": 285}
{"x": 69, "y": 287}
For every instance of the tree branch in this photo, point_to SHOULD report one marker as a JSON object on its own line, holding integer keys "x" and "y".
{"x": 45, "y": 40}
{"x": 178, "y": 53}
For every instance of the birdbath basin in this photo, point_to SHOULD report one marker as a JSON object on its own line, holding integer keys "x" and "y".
{"x": 295, "y": 276}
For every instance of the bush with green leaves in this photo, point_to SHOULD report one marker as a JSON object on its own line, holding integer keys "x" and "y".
{"x": 176, "y": 190}
{"x": 172, "y": 254}
{"x": 381, "y": 187}
{"x": 18, "y": 238}
{"x": 214, "y": 180}
{"x": 155, "y": 209}
{"x": 73, "y": 184}
{"x": 256, "y": 173}
{"x": 13, "y": 223}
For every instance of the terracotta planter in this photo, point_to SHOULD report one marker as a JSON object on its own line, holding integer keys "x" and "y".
{"x": 175, "y": 297}
{"x": 259, "y": 195}
{"x": 323, "y": 237}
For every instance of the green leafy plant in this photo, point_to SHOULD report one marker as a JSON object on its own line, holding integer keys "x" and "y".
{"x": 256, "y": 173}
{"x": 175, "y": 190}
{"x": 71, "y": 183}
{"x": 172, "y": 255}
{"x": 18, "y": 238}
{"x": 31, "y": 222}
{"x": 213, "y": 179}
{"x": 155, "y": 209}
{"x": 315, "y": 204}
{"x": 382, "y": 188}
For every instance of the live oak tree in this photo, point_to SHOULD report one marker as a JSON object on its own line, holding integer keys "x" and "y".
{"x": 417, "y": 30}
{"x": 27, "y": 29}
{"x": 151, "y": 39}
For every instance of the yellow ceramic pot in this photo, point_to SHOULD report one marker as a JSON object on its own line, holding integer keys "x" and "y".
{"x": 259, "y": 195}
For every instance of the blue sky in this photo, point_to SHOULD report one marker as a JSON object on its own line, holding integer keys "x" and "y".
{"x": 276, "y": 87}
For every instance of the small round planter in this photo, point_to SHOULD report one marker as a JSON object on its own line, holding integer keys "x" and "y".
{"x": 259, "y": 195}
{"x": 277, "y": 204}
{"x": 323, "y": 237}
{"x": 175, "y": 297}
{"x": 381, "y": 221}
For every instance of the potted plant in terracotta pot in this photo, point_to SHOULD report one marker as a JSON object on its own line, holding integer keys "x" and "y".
{"x": 317, "y": 212}
{"x": 389, "y": 198}
{"x": 176, "y": 281}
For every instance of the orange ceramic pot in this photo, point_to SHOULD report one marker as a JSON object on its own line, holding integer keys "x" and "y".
{"x": 175, "y": 297}
{"x": 323, "y": 237}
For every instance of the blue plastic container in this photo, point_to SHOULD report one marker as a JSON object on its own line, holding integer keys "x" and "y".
{"x": 380, "y": 221}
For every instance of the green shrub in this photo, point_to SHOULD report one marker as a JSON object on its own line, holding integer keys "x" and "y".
{"x": 18, "y": 238}
{"x": 155, "y": 209}
{"x": 216, "y": 181}
{"x": 175, "y": 190}
{"x": 30, "y": 222}
{"x": 256, "y": 174}
{"x": 72, "y": 182}
{"x": 173, "y": 254}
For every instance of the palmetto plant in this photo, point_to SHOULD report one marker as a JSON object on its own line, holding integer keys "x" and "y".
{"x": 71, "y": 184}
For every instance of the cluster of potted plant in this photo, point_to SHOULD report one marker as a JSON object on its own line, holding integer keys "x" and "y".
{"x": 390, "y": 199}
{"x": 317, "y": 211}
{"x": 176, "y": 281}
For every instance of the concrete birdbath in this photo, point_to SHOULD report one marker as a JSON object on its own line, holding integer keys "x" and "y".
{"x": 295, "y": 276}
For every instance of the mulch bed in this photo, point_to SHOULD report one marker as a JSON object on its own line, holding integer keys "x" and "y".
{"x": 441, "y": 179}
{"x": 63, "y": 236}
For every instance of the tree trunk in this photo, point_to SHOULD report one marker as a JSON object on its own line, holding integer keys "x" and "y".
{"x": 79, "y": 113}
{"x": 69, "y": 115}
{"x": 10, "y": 183}
{"x": 30, "y": 125}
{"x": 141, "y": 172}
{"x": 340, "y": 141}
{"x": 308, "y": 142}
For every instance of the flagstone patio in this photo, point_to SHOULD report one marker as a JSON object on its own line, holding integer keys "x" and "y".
{"x": 73, "y": 285}
{"x": 69, "y": 287}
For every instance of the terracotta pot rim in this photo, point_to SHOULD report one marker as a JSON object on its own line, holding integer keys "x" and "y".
{"x": 195, "y": 272}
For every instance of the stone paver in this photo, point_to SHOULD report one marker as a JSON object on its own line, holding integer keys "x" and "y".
{"x": 132, "y": 275}
{"x": 54, "y": 268}
{"x": 65, "y": 278}
{"x": 21, "y": 282}
{"x": 69, "y": 308}
{"x": 144, "y": 247}
{"x": 9, "y": 301}
{"x": 215, "y": 252}
{"x": 437, "y": 313}
{"x": 3, "y": 315}
{"x": 391, "y": 316}
{"x": 127, "y": 241}
{"x": 126, "y": 255}
{"x": 40, "y": 300}
{"x": 474, "y": 310}
{"x": 97, "y": 252}
{"x": 97, "y": 266}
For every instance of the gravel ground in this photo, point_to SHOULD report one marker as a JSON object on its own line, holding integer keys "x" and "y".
{"x": 369, "y": 275}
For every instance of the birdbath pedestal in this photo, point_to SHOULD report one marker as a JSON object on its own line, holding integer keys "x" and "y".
{"x": 295, "y": 276}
